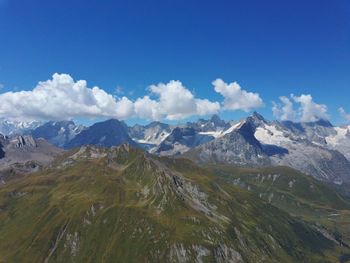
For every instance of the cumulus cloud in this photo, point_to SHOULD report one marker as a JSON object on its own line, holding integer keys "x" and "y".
{"x": 146, "y": 108}
{"x": 177, "y": 102}
{"x": 306, "y": 109}
{"x": 344, "y": 114}
{"x": 309, "y": 110}
{"x": 174, "y": 102}
{"x": 235, "y": 98}
{"x": 63, "y": 98}
{"x": 285, "y": 111}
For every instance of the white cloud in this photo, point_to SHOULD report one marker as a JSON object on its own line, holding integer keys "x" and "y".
{"x": 146, "y": 108}
{"x": 344, "y": 114}
{"x": 2, "y": 86}
{"x": 63, "y": 98}
{"x": 174, "y": 102}
{"x": 286, "y": 111}
{"x": 235, "y": 98}
{"x": 307, "y": 110}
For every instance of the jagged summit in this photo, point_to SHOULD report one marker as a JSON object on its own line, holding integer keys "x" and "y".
{"x": 24, "y": 141}
{"x": 310, "y": 147}
{"x": 14, "y": 127}
{"x": 256, "y": 119}
{"x": 217, "y": 121}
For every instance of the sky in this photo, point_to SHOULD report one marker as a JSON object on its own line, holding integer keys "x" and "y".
{"x": 174, "y": 60}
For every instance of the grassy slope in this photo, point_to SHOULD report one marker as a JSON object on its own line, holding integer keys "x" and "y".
{"x": 298, "y": 194}
{"x": 126, "y": 207}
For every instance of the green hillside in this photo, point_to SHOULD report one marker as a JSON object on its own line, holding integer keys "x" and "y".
{"x": 123, "y": 205}
{"x": 298, "y": 194}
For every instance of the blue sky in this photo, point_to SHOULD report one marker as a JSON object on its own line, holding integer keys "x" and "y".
{"x": 273, "y": 48}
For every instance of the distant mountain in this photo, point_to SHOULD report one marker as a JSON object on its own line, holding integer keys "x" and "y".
{"x": 121, "y": 204}
{"x": 181, "y": 140}
{"x": 8, "y": 127}
{"x": 315, "y": 148}
{"x": 306, "y": 152}
{"x": 214, "y": 124}
{"x": 187, "y": 136}
{"x": 239, "y": 147}
{"x": 165, "y": 140}
{"x": 107, "y": 133}
{"x": 58, "y": 133}
{"x": 151, "y": 135}
{"x": 258, "y": 142}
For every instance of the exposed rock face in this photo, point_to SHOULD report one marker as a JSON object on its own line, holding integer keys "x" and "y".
{"x": 181, "y": 140}
{"x": 2, "y": 140}
{"x": 23, "y": 142}
{"x": 23, "y": 154}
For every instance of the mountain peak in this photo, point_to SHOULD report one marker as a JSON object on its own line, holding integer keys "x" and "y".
{"x": 256, "y": 119}
{"x": 107, "y": 133}
{"x": 258, "y": 116}
{"x": 111, "y": 121}
{"x": 217, "y": 121}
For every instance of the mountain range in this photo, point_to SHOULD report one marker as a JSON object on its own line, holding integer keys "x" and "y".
{"x": 316, "y": 148}
{"x": 13, "y": 127}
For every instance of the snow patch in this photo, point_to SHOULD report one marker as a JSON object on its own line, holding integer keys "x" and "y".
{"x": 269, "y": 134}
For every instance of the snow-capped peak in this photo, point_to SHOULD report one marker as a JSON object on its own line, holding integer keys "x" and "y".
{"x": 13, "y": 127}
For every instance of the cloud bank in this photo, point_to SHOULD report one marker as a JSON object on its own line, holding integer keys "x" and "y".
{"x": 63, "y": 98}
{"x": 306, "y": 109}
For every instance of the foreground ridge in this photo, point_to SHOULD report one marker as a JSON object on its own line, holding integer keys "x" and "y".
{"x": 96, "y": 204}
